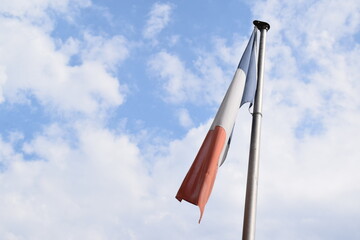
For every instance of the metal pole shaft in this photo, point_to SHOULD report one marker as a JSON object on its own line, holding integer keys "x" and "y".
{"x": 253, "y": 167}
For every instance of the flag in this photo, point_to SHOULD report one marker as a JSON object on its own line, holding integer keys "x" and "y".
{"x": 199, "y": 181}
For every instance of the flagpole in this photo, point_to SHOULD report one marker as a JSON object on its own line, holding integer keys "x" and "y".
{"x": 253, "y": 167}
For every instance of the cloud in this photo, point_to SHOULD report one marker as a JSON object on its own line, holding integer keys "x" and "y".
{"x": 3, "y": 79}
{"x": 199, "y": 84}
{"x": 36, "y": 11}
{"x": 310, "y": 109}
{"x": 22, "y": 8}
{"x": 108, "y": 51}
{"x": 94, "y": 188}
{"x": 159, "y": 17}
{"x": 184, "y": 118}
{"x": 47, "y": 76}
{"x": 179, "y": 83}
{"x": 85, "y": 181}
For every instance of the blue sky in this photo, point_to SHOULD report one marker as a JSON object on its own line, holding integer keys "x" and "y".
{"x": 104, "y": 104}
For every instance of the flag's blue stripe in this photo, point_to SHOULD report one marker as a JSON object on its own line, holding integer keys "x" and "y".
{"x": 248, "y": 65}
{"x": 245, "y": 59}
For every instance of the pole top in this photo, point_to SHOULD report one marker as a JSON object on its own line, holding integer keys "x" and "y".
{"x": 261, "y": 25}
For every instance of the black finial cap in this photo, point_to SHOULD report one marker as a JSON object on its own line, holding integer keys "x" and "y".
{"x": 261, "y": 25}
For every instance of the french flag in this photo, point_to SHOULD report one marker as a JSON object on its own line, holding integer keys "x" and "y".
{"x": 199, "y": 181}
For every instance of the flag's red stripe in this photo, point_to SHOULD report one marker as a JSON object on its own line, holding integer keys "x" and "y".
{"x": 199, "y": 180}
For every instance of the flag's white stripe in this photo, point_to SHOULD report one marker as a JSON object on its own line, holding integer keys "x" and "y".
{"x": 229, "y": 107}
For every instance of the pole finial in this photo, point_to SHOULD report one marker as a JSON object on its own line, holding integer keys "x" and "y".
{"x": 261, "y": 25}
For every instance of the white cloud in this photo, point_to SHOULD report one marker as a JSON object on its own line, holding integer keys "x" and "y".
{"x": 36, "y": 11}
{"x": 110, "y": 51}
{"x": 87, "y": 181}
{"x": 184, "y": 118}
{"x": 7, "y": 155}
{"x": 36, "y": 68}
{"x": 22, "y": 8}
{"x": 173, "y": 40}
{"x": 229, "y": 53}
{"x": 203, "y": 85}
{"x": 3, "y": 79}
{"x": 97, "y": 188}
{"x": 70, "y": 47}
{"x": 159, "y": 17}
{"x": 178, "y": 81}
{"x": 310, "y": 81}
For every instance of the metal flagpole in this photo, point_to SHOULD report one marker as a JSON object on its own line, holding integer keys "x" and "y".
{"x": 253, "y": 168}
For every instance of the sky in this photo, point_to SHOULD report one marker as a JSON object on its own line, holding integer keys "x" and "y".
{"x": 104, "y": 105}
